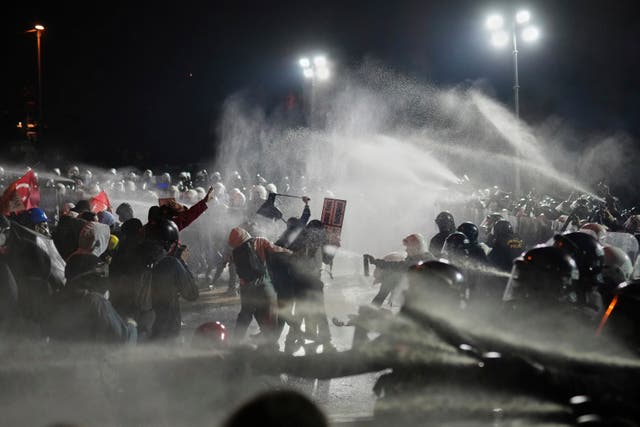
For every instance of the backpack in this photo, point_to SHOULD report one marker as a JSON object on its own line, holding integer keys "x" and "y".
{"x": 249, "y": 266}
{"x": 142, "y": 290}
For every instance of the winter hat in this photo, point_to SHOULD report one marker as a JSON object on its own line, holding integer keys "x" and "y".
{"x": 238, "y": 236}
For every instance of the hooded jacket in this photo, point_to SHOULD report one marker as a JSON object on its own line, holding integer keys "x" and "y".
{"x": 93, "y": 239}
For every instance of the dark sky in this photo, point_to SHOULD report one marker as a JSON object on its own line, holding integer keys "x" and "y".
{"x": 151, "y": 76}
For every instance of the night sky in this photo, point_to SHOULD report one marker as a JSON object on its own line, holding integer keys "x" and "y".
{"x": 150, "y": 77}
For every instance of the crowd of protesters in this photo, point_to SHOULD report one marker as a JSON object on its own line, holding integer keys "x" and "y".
{"x": 76, "y": 268}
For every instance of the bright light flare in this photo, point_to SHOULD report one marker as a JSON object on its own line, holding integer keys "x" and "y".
{"x": 39, "y": 27}
{"x": 304, "y": 62}
{"x": 308, "y": 73}
{"x": 495, "y": 22}
{"x": 323, "y": 73}
{"x": 523, "y": 17}
{"x": 530, "y": 34}
{"x": 499, "y": 38}
{"x": 320, "y": 61}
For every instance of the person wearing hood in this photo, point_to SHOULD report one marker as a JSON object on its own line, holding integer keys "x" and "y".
{"x": 82, "y": 309}
{"x": 93, "y": 239}
{"x": 257, "y": 296}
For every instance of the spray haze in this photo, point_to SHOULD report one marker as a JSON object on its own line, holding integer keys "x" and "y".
{"x": 395, "y": 149}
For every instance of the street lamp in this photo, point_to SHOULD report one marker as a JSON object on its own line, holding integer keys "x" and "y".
{"x": 39, "y": 29}
{"x": 500, "y": 38}
{"x": 318, "y": 69}
{"x": 314, "y": 69}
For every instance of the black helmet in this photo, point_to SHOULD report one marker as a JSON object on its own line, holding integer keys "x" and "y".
{"x": 502, "y": 229}
{"x": 445, "y": 222}
{"x": 543, "y": 274}
{"x": 470, "y": 230}
{"x": 455, "y": 245}
{"x": 585, "y": 250}
{"x": 436, "y": 279}
{"x": 163, "y": 230}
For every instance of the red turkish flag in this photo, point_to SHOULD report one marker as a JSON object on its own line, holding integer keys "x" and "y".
{"x": 21, "y": 195}
{"x": 100, "y": 203}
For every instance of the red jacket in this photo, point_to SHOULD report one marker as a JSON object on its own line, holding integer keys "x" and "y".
{"x": 184, "y": 218}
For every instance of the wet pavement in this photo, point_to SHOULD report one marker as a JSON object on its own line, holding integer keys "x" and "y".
{"x": 344, "y": 399}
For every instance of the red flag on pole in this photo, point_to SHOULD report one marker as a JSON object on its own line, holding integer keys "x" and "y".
{"x": 21, "y": 195}
{"x": 100, "y": 203}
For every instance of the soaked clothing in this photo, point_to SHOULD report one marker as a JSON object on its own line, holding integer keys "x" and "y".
{"x": 170, "y": 279}
{"x": 504, "y": 252}
{"x": 257, "y": 296}
{"x": 437, "y": 242}
{"x": 293, "y": 230}
{"x": 82, "y": 315}
{"x": 66, "y": 235}
{"x": 404, "y": 265}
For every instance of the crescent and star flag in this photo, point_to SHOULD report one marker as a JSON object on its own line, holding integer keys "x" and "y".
{"x": 21, "y": 195}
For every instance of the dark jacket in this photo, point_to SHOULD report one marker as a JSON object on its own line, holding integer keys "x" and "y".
{"x": 83, "y": 315}
{"x": 66, "y": 235}
{"x": 294, "y": 228}
{"x": 437, "y": 242}
{"x": 170, "y": 279}
{"x": 504, "y": 252}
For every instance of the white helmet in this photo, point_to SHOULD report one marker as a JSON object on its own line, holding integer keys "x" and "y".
{"x": 191, "y": 196}
{"x": 271, "y": 188}
{"x": 237, "y": 199}
{"x": 73, "y": 171}
{"x": 201, "y": 192}
{"x": 219, "y": 189}
{"x": 258, "y": 192}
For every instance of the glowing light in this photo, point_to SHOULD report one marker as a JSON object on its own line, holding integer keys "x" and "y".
{"x": 39, "y": 27}
{"x": 530, "y": 34}
{"x": 19, "y": 125}
{"x": 494, "y": 22}
{"x": 323, "y": 73}
{"x": 308, "y": 73}
{"x": 607, "y": 314}
{"x": 320, "y": 61}
{"x": 523, "y": 17}
{"x": 499, "y": 39}
{"x": 304, "y": 62}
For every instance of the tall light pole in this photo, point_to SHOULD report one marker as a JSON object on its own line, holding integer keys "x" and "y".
{"x": 315, "y": 70}
{"x": 500, "y": 38}
{"x": 39, "y": 29}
